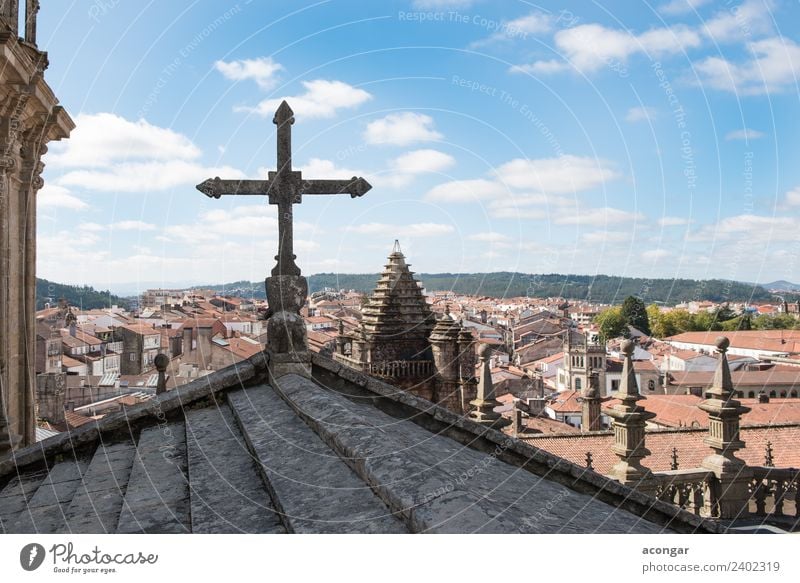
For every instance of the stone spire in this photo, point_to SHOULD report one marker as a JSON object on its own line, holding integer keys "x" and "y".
{"x": 724, "y": 414}
{"x": 485, "y": 403}
{"x": 397, "y": 318}
{"x": 629, "y": 423}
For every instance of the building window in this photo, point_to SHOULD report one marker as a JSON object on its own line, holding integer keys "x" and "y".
{"x": 651, "y": 385}
{"x": 614, "y": 385}
{"x": 133, "y": 357}
{"x": 577, "y": 384}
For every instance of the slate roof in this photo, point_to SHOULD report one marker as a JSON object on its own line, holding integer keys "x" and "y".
{"x": 233, "y": 453}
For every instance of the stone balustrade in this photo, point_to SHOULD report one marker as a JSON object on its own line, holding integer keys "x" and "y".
{"x": 390, "y": 369}
{"x": 774, "y": 492}
{"x": 688, "y": 489}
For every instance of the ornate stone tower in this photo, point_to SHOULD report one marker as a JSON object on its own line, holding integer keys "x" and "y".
{"x": 29, "y": 118}
{"x": 454, "y": 361}
{"x": 581, "y": 359}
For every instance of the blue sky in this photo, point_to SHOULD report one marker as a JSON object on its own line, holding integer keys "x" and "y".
{"x": 649, "y": 139}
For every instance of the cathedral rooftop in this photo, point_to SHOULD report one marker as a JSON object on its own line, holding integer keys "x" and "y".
{"x": 338, "y": 452}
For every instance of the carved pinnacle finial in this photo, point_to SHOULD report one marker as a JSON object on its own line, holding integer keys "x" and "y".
{"x": 210, "y": 187}
{"x": 161, "y": 361}
{"x": 283, "y": 114}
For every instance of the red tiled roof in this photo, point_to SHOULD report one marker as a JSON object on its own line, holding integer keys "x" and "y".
{"x": 689, "y": 443}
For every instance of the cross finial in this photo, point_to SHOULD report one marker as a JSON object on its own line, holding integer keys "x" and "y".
{"x": 589, "y": 461}
{"x": 674, "y": 465}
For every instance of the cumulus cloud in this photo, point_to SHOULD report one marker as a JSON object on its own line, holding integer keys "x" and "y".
{"x": 105, "y": 138}
{"x": 559, "y": 175}
{"x": 133, "y": 226}
{"x": 401, "y": 129}
{"x": 773, "y": 67}
{"x": 145, "y": 176}
{"x": 590, "y": 47}
{"x": 466, "y": 190}
{"x": 752, "y": 17}
{"x": 490, "y": 237}
{"x": 519, "y": 28}
{"x": 54, "y": 196}
{"x": 421, "y": 161}
{"x": 321, "y": 99}
{"x": 262, "y": 70}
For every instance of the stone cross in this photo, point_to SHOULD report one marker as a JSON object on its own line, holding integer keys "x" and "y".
{"x": 284, "y": 187}
{"x": 286, "y": 289}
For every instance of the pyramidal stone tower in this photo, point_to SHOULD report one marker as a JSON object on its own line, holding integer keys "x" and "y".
{"x": 397, "y": 320}
{"x": 401, "y": 342}
{"x": 30, "y": 117}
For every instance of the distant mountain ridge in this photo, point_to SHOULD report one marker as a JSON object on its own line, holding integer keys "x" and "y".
{"x": 600, "y": 288}
{"x": 782, "y": 285}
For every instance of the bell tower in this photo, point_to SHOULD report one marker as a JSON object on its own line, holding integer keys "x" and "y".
{"x": 30, "y": 117}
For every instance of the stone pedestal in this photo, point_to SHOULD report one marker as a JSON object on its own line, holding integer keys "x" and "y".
{"x": 286, "y": 329}
{"x": 484, "y": 404}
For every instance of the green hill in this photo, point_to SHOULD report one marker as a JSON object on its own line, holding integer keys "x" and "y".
{"x": 598, "y": 288}
{"x": 82, "y": 297}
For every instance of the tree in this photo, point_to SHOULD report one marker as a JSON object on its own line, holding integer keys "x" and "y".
{"x": 634, "y": 313}
{"x": 611, "y": 323}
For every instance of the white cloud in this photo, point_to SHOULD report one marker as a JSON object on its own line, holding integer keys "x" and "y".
{"x": 598, "y": 216}
{"x": 745, "y": 134}
{"x": 556, "y": 175}
{"x": 54, "y": 196}
{"x": 105, "y": 138}
{"x": 655, "y": 254}
{"x": 321, "y": 169}
{"x": 146, "y": 176}
{"x": 322, "y": 99}
{"x": 413, "y": 230}
{"x": 774, "y": 67}
{"x": 603, "y": 237}
{"x": 490, "y": 237}
{"x": 261, "y": 70}
{"x": 133, "y": 226}
{"x": 682, "y": 6}
{"x": 509, "y": 211}
{"x": 754, "y": 228}
{"x": 641, "y": 113}
{"x": 793, "y": 197}
{"x": 91, "y": 227}
{"x": 589, "y": 47}
{"x": 401, "y": 129}
{"x": 422, "y": 161}
{"x": 673, "y": 221}
{"x": 466, "y": 190}
{"x": 752, "y": 17}
{"x": 541, "y": 67}
{"x": 519, "y": 28}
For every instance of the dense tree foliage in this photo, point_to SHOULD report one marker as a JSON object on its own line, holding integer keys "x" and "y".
{"x": 83, "y": 297}
{"x": 611, "y": 323}
{"x": 678, "y": 321}
{"x": 634, "y": 313}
